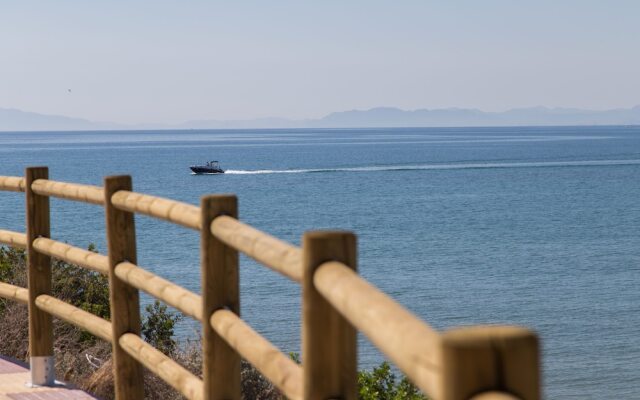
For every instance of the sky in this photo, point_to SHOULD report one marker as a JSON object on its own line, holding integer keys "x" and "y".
{"x": 171, "y": 61}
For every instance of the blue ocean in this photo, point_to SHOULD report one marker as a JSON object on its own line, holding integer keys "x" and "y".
{"x": 535, "y": 226}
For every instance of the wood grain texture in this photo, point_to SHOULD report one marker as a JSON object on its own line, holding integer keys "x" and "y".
{"x": 328, "y": 340}
{"x": 76, "y": 316}
{"x": 70, "y": 191}
{"x": 278, "y": 368}
{"x": 158, "y": 363}
{"x": 16, "y": 293}
{"x": 124, "y": 301}
{"x": 13, "y": 239}
{"x": 268, "y": 250}
{"x": 478, "y": 359}
{"x": 494, "y": 395}
{"x": 176, "y": 296}
{"x": 38, "y": 266}
{"x": 220, "y": 290}
{"x": 406, "y": 340}
{"x": 177, "y": 212}
{"x": 479, "y": 363}
{"x": 12, "y": 183}
{"x": 74, "y": 255}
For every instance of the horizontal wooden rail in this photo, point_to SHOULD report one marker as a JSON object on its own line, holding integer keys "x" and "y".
{"x": 74, "y": 255}
{"x": 177, "y": 212}
{"x": 283, "y": 372}
{"x": 184, "y": 300}
{"x": 16, "y": 293}
{"x": 70, "y": 191}
{"x": 167, "y": 369}
{"x": 78, "y": 317}
{"x": 12, "y": 183}
{"x": 13, "y": 239}
{"x": 409, "y": 342}
{"x": 268, "y": 250}
{"x": 477, "y": 363}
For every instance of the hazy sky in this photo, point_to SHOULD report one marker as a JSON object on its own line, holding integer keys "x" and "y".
{"x": 169, "y": 61}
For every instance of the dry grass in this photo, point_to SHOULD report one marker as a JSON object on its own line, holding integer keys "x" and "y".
{"x": 83, "y": 360}
{"x": 87, "y": 363}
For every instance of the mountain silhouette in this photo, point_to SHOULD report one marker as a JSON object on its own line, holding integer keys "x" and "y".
{"x": 17, "y": 120}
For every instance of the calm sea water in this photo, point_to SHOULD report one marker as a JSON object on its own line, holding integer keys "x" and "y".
{"x": 531, "y": 226}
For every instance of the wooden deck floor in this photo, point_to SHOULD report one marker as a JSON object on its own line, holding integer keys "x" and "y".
{"x": 13, "y": 385}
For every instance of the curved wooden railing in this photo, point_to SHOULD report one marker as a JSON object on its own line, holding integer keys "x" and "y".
{"x": 484, "y": 362}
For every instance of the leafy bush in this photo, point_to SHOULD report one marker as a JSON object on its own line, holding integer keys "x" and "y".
{"x": 86, "y": 361}
{"x": 12, "y": 270}
{"x": 73, "y": 347}
{"x": 157, "y": 327}
{"x": 85, "y": 289}
{"x": 381, "y": 384}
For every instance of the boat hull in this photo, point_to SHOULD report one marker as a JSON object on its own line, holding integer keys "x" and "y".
{"x": 206, "y": 170}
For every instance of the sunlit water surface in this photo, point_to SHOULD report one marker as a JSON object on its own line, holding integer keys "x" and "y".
{"x": 531, "y": 226}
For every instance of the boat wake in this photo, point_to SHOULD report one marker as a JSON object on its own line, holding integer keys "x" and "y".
{"x": 418, "y": 167}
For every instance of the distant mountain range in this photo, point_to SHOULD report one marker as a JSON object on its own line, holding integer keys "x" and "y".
{"x": 16, "y": 120}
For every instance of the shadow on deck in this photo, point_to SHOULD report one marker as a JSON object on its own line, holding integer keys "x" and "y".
{"x": 14, "y": 377}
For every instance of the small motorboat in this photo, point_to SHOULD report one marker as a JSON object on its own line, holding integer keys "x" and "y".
{"x": 211, "y": 167}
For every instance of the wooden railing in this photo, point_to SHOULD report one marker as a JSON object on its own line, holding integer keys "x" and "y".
{"x": 482, "y": 362}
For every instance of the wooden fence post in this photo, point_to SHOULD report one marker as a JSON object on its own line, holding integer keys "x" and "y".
{"x": 329, "y": 348}
{"x": 220, "y": 290}
{"x": 490, "y": 358}
{"x": 38, "y": 282}
{"x": 123, "y": 299}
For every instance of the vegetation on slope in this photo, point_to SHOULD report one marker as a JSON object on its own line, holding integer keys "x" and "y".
{"x": 85, "y": 360}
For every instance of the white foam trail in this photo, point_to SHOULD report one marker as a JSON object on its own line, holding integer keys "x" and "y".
{"x": 535, "y": 164}
{"x": 272, "y": 171}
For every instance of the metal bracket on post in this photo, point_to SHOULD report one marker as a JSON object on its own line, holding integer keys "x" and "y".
{"x": 42, "y": 371}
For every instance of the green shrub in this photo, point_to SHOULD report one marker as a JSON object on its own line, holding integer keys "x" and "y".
{"x": 85, "y": 289}
{"x": 11, "y": 262}
{"x": 381, "y": 384}
{"x": 158, "y": 325}
{"x": 90, "y": 291}
{"x": 12, "y": 267}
